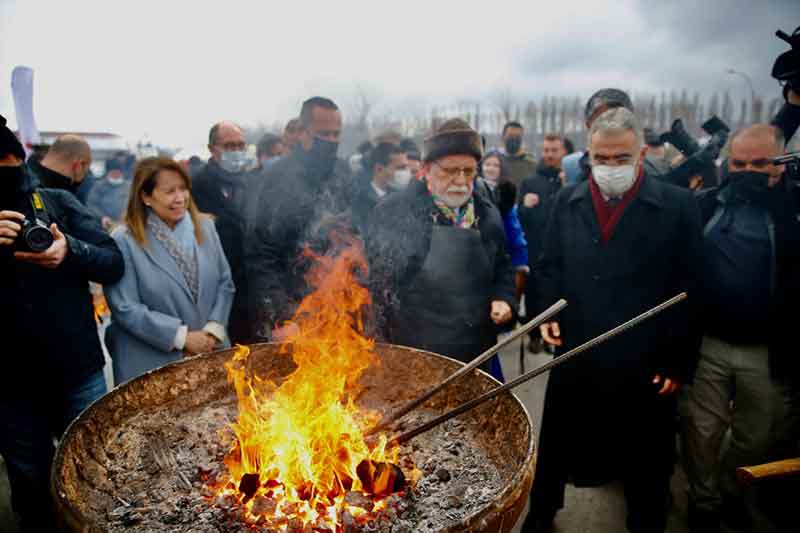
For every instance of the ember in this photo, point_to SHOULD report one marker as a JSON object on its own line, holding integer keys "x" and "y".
{"x": 303, "y": 436}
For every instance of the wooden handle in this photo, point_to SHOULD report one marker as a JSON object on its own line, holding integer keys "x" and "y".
{"x": 747, "y": 475}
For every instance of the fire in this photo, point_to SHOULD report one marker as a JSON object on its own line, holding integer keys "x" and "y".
{"x": 299, "y": 451}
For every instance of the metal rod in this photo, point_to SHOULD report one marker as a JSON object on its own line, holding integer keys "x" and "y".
{"x": 464, "y": 407}
{"x": 413, "y": 404}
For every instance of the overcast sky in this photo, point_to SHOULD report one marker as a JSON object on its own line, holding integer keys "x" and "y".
{"x": 171, "y": 68}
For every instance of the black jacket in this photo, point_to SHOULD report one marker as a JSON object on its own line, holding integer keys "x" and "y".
{"x": 364, "y": 202}
{"x": 399, "y": 239}
{"x": 47, "y": 319}
{"x": 223, "y": 195}
{"x": 784, "y": 210}
{"x": 655, "y": 252}
{"x": 534, "y": 219}
{"x": 601, "y": 408}
{"x": 295, "y": 210}
{"x": 50, "y": 179}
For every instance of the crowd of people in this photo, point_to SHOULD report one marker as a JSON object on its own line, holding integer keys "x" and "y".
{"x": 460, "y": 239}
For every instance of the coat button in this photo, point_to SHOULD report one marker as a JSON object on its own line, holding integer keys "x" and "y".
{"x": 596, "y": 277}
{"x": 596, "y": 241}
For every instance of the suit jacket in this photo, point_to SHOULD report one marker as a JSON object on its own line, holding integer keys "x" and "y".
{"x": 152, "y": 300}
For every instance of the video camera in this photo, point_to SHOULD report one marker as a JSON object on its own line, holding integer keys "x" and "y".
{"x": 787, "y": 66}
{"x": 699, "y": 160}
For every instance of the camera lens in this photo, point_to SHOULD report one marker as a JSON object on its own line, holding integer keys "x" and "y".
{"x": 37, "y": 238}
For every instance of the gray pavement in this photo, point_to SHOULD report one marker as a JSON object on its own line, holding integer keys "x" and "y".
{"x": 597, "y": 510}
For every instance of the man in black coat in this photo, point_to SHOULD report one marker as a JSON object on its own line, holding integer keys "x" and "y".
{"x": 749, "y": 352}
{"x": 306, "y": 195}
{"x": 52, "y": 358}
{"x": 65, "y": 165}
{"x": 220, "y": 189}
{"x": 440, "y": 276}
{"x": 615, "y": 246}
{"x": 389, "y": 173}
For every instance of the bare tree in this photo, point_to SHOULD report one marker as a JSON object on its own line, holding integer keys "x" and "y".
{"x": 505, "y": 102}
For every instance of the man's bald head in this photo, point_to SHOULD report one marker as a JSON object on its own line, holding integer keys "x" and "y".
{"x": 70, "y": 156}
{"x": 225, "y": 136}
{"x": 752, "y": 149}
{"x": 70, "y": 147}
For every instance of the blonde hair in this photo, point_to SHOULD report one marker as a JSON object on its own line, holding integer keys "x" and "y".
{"x": 145, "y": 176}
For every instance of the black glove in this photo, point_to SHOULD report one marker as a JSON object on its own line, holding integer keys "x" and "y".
{"x": 506, "y": 196}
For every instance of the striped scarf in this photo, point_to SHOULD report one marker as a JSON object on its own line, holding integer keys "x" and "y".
{"x": 460, "y": 217}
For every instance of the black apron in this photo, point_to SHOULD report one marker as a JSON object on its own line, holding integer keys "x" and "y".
{"x": 446, "y": 307}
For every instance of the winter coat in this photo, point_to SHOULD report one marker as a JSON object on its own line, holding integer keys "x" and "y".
{"x": 152, "y": 300}
{"x": 784, "y": 211}
{"x": 518, "y": 167}
{"x": 295, "y": 210}
{"x": 107, "y": 199}
{"x": 224, "y": 196}
{"x": 364, "y": 202}
{"x": 601, "y": 407}
{"x": 534, "y": 219}
{"x": 516, "y": 244}
{"x": 47, "y": 319}
{"x": 399, "y": 241}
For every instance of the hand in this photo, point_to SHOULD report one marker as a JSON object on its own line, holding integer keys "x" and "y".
{"x": 793, "y": 97}
{"x": 199, "y": 342}
{"x": 9, "y": 229}
{"x": 551, "y": 333}
{"x": 289, "y": 329}
{"x": 501, "y": 312}
{"x": 530, "y": 199}
{"x": 50, "y": 258}
{"x": 106, "y": 222}
{"x": 669, "y": 387}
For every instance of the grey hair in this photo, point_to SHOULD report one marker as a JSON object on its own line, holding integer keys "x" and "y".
{"x": 615, "y": 120}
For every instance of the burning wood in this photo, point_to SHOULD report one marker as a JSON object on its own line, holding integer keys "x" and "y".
{"x": 304, "y": 435}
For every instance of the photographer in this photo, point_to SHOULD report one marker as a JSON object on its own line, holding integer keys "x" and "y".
{"x": 752, "y": 260}
{"x": 51, "y": 247}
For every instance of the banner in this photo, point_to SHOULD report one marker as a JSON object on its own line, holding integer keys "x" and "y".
{"x": 22, "y": 89}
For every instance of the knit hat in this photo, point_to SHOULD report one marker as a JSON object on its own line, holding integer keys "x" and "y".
{"x": 607, "y": 98}
{"x": 9, "y": 144}
{"x": 453, "y": 137}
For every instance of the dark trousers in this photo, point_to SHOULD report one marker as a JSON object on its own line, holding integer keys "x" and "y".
{"x": 639, "y": 452}
{"x": 27, "y": 428}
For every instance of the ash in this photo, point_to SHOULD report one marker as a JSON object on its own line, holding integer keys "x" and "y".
{"x": 160, "y": 467}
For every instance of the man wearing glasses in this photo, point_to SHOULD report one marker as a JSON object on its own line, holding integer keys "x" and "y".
{"x": 440, "y": 275}
{"x": 220, "y": 189}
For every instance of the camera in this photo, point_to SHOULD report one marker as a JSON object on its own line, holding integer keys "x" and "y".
{"x": 700, "y": 160}
{"x": 34, "y": 236}
{"x": 787, "y": 66}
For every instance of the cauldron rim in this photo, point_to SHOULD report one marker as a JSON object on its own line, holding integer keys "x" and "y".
{"x": 78, "y": 522}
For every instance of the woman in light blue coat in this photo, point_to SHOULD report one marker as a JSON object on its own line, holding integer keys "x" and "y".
{"x": 176, "y": 294}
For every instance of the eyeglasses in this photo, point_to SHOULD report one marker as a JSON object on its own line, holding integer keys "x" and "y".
{"x": 233, "y": 146}
{"x": 453, "y": 172}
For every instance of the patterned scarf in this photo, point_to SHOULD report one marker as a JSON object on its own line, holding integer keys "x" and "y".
{"x": 181, "y": 246}
{"x": 460, "y": 217}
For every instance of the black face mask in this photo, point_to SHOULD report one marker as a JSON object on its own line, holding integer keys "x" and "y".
{"x": 752, "y": 186}
{"x": 322, "y": 157}
{"x": 549, "y": 172}
{"x": 11, "y": 181}
{"x": 513, "y": 144}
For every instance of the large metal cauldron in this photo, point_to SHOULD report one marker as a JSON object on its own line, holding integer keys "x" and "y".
{"x": 502, "y": 427}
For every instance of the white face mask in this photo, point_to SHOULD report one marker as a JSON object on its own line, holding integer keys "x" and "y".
{"x": 613, "y": 182}
{"x": 401, "y": 179}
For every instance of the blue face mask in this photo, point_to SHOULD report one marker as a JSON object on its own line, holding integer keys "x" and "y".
{"x": 234, "y": 161}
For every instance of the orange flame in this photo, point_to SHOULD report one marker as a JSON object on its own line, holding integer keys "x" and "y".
{"x": 303, "y": 437}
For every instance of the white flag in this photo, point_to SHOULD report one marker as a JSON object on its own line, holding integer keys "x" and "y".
{"x": 22, "y": 89}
